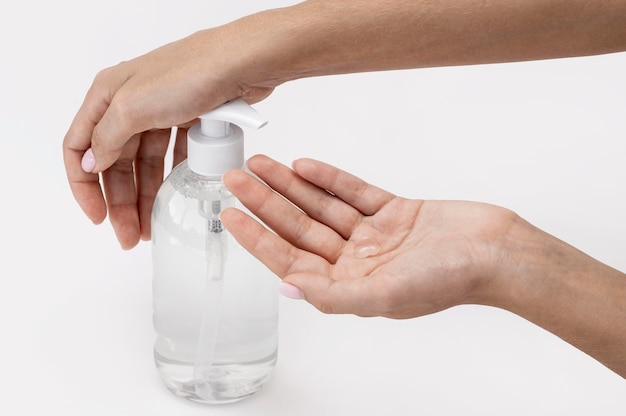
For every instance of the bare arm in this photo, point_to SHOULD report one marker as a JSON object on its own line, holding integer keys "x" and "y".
{"x": 320, "y": 37}
{"x": 121, "y": 130}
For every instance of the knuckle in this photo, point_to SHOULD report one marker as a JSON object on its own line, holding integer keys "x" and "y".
{"x": 124, "y": 107}
{"x": 150, "y": 161}
{"x": 302, "y": 227}
{"x": 102, "y": 76}
{"x": 121, "y": 167}
{"x": 290, "y": 263}
{"x": 324, "y": 204}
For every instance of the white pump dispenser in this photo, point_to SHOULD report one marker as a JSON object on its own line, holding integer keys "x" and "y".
{"x": 215, "y": 145}
{"x": 215, "y": 306}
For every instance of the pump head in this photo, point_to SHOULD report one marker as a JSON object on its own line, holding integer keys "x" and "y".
{"x": 215, "y": 144}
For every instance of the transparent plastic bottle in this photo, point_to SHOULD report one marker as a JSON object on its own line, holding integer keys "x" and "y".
{"x": 215, "y": 305}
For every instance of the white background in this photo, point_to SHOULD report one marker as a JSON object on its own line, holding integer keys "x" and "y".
{"x": 546, "y": 139}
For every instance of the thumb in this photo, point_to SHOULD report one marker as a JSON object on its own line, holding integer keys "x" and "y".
{"x": 357, "y": 296}
{"x": 108, "y": 139}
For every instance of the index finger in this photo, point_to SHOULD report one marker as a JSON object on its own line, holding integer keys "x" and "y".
{"x": 280, "y": 256}
{"x": 309, "y": 197}
{"x": 288, "y": 221}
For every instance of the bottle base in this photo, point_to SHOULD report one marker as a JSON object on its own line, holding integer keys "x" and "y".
{"x": 224, "y": 383}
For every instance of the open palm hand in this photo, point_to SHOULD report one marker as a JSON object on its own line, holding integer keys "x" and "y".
{"x": 351, "y": 247}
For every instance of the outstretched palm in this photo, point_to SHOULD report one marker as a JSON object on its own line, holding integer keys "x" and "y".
{"x": 354, "y": 248}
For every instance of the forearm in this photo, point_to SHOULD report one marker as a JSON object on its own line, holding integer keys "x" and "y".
{"x": 565, "y": 292}
{"x": 322, "y": 37}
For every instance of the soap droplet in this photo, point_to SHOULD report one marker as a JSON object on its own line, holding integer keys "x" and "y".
{"x": 365, "y": 251}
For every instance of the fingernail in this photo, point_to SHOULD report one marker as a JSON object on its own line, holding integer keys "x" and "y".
{"x": 290, "y": 291}
{"x": 88, "y": 163}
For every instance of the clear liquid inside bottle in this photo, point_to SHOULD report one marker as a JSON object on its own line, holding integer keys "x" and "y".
{"x": 232, "y": 315}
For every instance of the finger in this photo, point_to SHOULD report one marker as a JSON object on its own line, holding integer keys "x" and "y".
{"x": 366, "y": 198}
{"x": 363, "y": 296}
{"x": 121, "y": 195}
{"x": 149, "y": 167}
{"x": 96, "y": 104}
{"x": 277, "y": 254}
{"x": 256, "y": 94}
{"x": 281, "y": 216}
{"x": 180, "y": 146}
{"x": 315, "y": 201}
{"x": 115, "y": 128}
{"x": 85, "y": 185}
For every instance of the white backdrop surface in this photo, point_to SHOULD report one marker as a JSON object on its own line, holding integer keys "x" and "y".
{"x": 546, "y": 139}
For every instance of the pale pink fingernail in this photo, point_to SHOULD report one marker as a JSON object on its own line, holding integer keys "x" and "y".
{"x": 290, "y": 291}
{"x": 88, "y": 163}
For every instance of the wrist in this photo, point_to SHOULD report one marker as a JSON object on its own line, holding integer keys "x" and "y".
{"x": 524, "y": 259}
{"x": 561, "y": 289}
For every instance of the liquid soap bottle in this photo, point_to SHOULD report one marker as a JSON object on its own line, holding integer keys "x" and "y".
{"x": 215, "y": 306}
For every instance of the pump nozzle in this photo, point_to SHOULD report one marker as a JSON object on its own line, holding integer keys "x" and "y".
{"x": 216, "y": 123}
{"x": 216, "y": 143}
